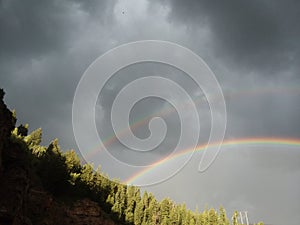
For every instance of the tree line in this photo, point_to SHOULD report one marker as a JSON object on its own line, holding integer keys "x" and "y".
{"x": 62, "y": 174}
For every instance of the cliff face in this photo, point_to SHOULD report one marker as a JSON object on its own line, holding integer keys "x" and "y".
{"x": 23, "y": 201}
{"x": 44, "y": 209}
{"x": 13, "y": 175}
{"x": 6, "y": 125}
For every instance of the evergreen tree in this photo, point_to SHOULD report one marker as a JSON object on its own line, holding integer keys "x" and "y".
{"x": 174, "y": 216}
{"x": 120, "y": 201}
{"x": 213, "y": 217}
{"x": 53, "y": 170}
{"x": 183, "y": 214}
{"x": 129, "y": 211}
{"x": 23, "y": 130}
{"x": 205, "y": 217}
{"x": 33, "y": 141}
{"x": 72, "y": 161}
{"x": 199, "y": 219}
{"x": 192, "y": 221}
{"x": 138, "y": 213}
{"x": 188, "y": 217}
{"x": 34, "y": 138}
{"x": 110, "y": 199}
{"x": 87, "y": 175}
{"x": 154, "y": 212}
{"x": 145, "y": 199}
{"x": 165, "y": 208}
{"x": 235, "y": 218}
{"x": 222, "y": 220}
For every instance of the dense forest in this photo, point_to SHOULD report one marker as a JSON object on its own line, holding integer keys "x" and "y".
{"x": 61, "y": 175}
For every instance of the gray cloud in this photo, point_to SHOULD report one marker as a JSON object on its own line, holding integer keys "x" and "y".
{"x": 257, "y": 35}
{"x": 39, "y": 27}
{"x": 42, "y": 60}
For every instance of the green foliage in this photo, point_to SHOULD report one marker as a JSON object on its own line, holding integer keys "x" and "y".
{"x": 165, "y": 208}
{"x": 23, "y": 130}
{"x": 213, "y": 217}
{"x": 72, "y": 161}
{"x": 14, "y": 113}
{"x": 139, "y": 213}
{"x": 62, "y": 173}
{"x": 223, "y": 220}
{"x": 235, "y": 218}
{"x": 52, "y": 169}
{"x": 131, "y": 203}
{"x": 33, "y": 140}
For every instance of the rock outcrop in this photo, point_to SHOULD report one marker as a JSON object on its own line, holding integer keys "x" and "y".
{"x": 7, "y": 124}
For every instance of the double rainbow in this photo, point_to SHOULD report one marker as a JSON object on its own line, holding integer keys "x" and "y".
{"x": 291, "y": 90}
{"x": 267, "y": 141}
{"x": 261, "y": 141}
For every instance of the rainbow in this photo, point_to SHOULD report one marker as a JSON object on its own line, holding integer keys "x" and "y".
{"x": 295, "y": 90}
{"x": 227, "y": 143}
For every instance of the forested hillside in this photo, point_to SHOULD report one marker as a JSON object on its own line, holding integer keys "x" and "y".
{"x": 45, "y": 185}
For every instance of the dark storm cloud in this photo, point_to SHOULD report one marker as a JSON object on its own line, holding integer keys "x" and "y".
{"x": 254, "y": 46}
{"x": 257, "y": 34}
{"x": 39, "y": 27}
{"x": 41, "y": 59}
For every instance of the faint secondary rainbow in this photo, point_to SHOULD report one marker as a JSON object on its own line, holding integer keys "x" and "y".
{"x": 293, "y": 89}
{"x": 227, "y": 143}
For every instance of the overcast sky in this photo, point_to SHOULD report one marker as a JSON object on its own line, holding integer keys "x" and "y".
{"x": 252, "y": 47}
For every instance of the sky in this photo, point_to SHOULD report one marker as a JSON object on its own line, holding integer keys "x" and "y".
{"x": 252, "y": 48}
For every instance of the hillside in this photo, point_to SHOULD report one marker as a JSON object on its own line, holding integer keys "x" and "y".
{"x": 24, "y": 200}
{"x": 44, "y": 185}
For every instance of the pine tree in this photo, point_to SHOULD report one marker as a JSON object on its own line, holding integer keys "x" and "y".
{"x": 139, "y": 213}
{"x": 129, "y": 211}
{"x": 72, "y": 161}
{"x": 87, "y": 174}
{"x": 53, "y": 170}
{"x": 199, "y": 220}
{"x": 222, "y": 220}
{"x": 235, "y": 218}
{"x": 165, "y": 208}
{"x": 146, "y": 216}
{"x": 23, "y": 130}
{"x": 110, "y": 199}
{"x": 13, "y": 112}
{"x": 34, "y": 138}
{"x": 213, "y": 217}
{"x": 205, "y": 217}
{"x": 154, "y": 212}
{"x": 145, "y": 199}
{"x": 188, "y": 217}
{"x": 192, "y": 221}
{"x": 175, "y": 216}
{"x": 33, "y": 141}
{"x": 183, "y": 214}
